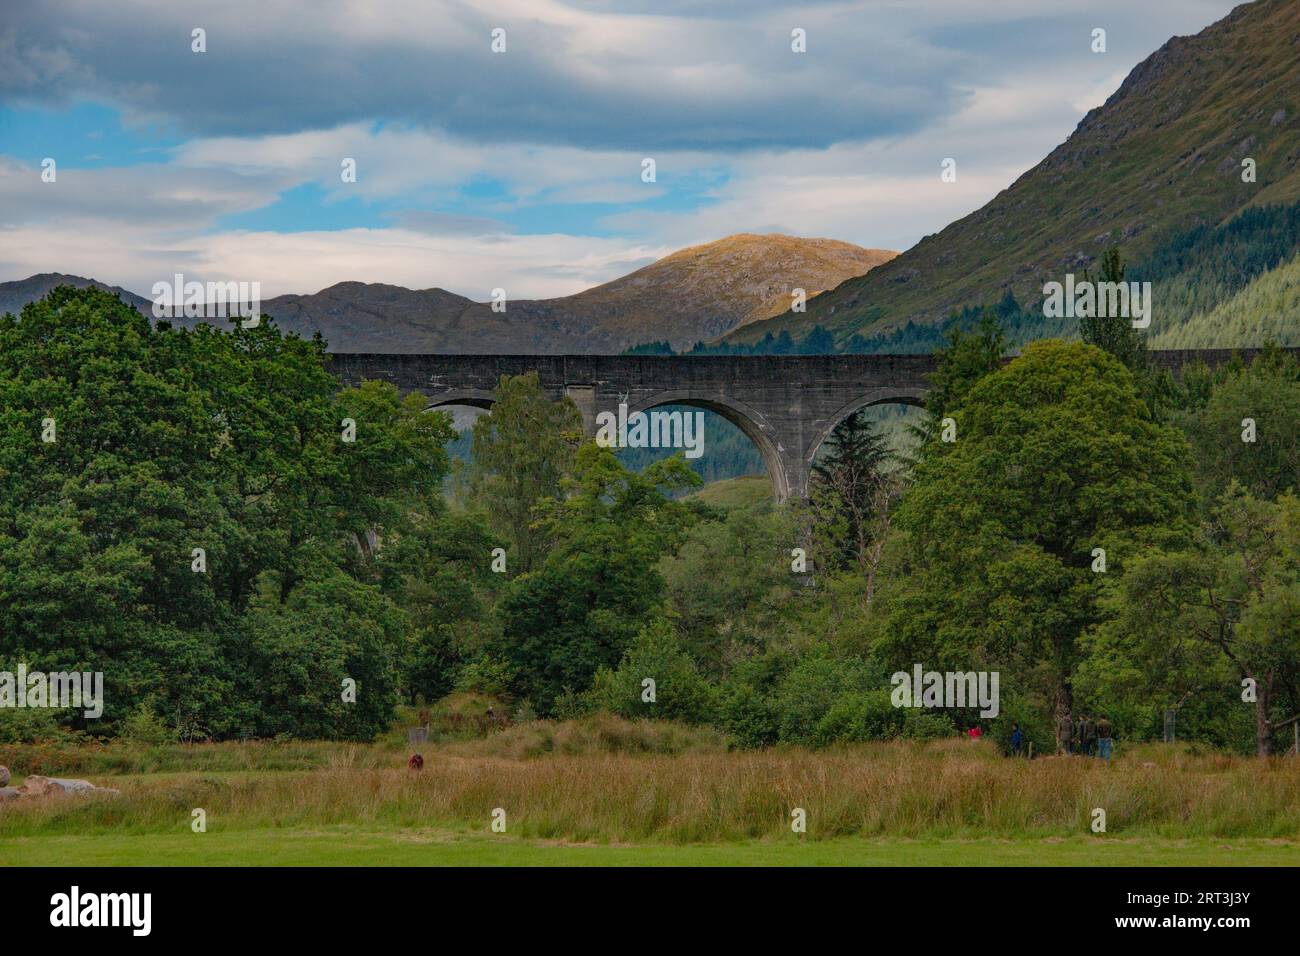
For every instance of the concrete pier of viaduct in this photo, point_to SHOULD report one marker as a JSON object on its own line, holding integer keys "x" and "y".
{"x": 786, "y": 404}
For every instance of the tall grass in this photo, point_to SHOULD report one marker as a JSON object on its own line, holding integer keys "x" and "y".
{"x": 64, "y": 759}
{"x": 600, "y": 791}
{"x": 452, "y": 732}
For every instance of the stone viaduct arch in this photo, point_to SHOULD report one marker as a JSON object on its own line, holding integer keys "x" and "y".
{"x": 471, "y": 397}
{"x": 749, "y": 420}
{"x": 786, "y": 404}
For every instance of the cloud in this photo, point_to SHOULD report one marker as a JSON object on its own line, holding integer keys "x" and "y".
{"x": 402, "y": 161}
{"x": 535, "y": 266}
{"x": 586, "y": 78}
{"x": 445, "y": 224}
{"x": 522, "y": 170}
{"x": 165, "y": 197}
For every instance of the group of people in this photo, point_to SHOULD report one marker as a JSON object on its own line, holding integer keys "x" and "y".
{"x": 1091, "y": 738}
{"x": 1088, "y": 738}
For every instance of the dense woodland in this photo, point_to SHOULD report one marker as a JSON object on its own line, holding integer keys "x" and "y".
{"x": 549, "y": 575}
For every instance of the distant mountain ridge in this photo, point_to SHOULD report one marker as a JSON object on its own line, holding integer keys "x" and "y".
{"x": 697, "y": 293}
{"x": 16, "y": 294}
{"x": 1163, "y": 156}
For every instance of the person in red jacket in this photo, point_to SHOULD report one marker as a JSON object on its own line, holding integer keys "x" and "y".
{"x": 975, "y": 733}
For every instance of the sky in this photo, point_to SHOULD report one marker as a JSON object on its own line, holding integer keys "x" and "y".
{"x": 522, "y": 169}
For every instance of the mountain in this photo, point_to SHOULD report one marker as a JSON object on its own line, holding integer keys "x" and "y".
{"x": 14, "y": 295}
{"x": 697, "y": 293}
{"x": 1160, "y": 159}
{"x": 728, "y": 283}
{"x": 701, "y": 292}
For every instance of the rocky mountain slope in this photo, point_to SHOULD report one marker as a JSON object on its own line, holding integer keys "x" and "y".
{"x": 14, "y": 295}
{"x": 1162, "y": 156}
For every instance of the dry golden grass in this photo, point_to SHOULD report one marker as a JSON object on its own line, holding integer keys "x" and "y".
{"x": 598, "y": 791}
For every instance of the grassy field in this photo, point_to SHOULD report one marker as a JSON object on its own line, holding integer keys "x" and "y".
{"x": 608, "y": 792}
{"x": 349, "y": 847}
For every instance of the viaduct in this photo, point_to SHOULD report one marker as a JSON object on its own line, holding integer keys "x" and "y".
{"x": 786, "y": 404}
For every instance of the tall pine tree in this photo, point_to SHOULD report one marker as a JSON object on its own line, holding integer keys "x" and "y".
{"x": 1113, "y": 333}
{"x": 850, "y": 487}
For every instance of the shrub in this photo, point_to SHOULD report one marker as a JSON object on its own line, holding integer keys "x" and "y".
{"x": 26, "y": 726}
{"x": 143, "y": 725}
{"x": 746, "y": 713}
{"x": 680, "y": 692}
{"x": 811, "y": 688}
{"x": 485, "y": 675}
{"x": 927, "y": 725}
{"x": 860, "y": 717}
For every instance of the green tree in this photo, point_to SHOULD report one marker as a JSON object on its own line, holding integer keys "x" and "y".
{"x": 655, "y": 654}
{"x": 1259, "y": 401}
{"x": 1224, "y": 612}
{"x": 818, "y": 342}
{"x": 581, "y": 608}
{"x": 852, "y": 491}
{"x": 968, "y": 357}
{"x": 728, "y": 584}
{"x": 816, "y": 683}
{"x": 1055, "y": 456}
{"x": 522, "y": 451}
{"x": 439, "y": 569}
{"x": 300, "y": 657}
{"x": 158, "y": 486}
{"x": 1113, "y": 333}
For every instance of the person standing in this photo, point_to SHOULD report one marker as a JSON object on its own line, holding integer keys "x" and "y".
{"x": 1017, "y": 739}
{"x": 1104, "y": 742}
{"x": 1064, "y": 735}
{"x": 1087, "y": 736}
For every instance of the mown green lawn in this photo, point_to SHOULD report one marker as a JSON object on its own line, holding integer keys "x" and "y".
{"x": 350, "y": 847}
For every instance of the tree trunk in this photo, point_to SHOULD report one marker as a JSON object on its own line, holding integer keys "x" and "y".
{"x": 1263, "y": 729}
{"x": 288, "y": 580}
{"x": 1064, "y": 715}
{"x": 873, "y": 562}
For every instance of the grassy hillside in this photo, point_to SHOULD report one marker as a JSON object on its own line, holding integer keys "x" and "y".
{"x": 1162, "y": 156}
{"x": 742, "y": 492}
{"x": 703, "y": 291}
